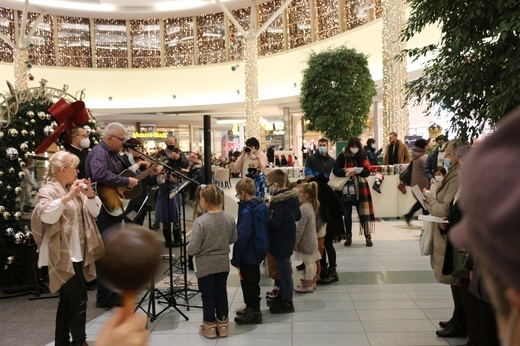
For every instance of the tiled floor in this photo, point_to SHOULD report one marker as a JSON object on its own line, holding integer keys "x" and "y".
{"x": 386, "y": 296}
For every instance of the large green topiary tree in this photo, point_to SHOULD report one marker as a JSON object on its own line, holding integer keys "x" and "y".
{"x": 474, "y": 72}
{"x": 336, "y": 93}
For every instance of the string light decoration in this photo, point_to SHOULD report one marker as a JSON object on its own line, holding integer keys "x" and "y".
{"x": 236, "y": 40}
{"x": 351, "y": 18}
{"x": 271, "y": 40}
{"x": 6, "y": 34}
{"x": 110, "y": 43}
{"x": 179, "y": 42}
{"x": 379, "y": 8}
{"x": 327, "y": 18}
{"x": 211, "y": 41}
{"x": 43, "y": 41}
{"x": 395, "y": 111}
{"x": 251, "y": 106}
{"x": 146, "y": 43}
{"x": 74, "y": 42}
{"x": 299, "y": 23}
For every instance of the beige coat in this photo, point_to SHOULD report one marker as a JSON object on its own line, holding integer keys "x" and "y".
{"x": 403, "y": 153}
{"x": 60, "y": 263}
{"x": 438, "y": 203}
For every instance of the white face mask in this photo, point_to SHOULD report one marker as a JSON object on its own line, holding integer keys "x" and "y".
{"x": 85, "y": 143}
{"x": 354, "y": 150}
{"x": 439, "y": 178}
{"x": 373, "y": 145}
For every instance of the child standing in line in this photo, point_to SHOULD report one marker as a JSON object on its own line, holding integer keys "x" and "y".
{"x": 306, "y": 240}
{"x": 255, "y": 172}
{"x": 211, "y": 236}
{"x": 284, "y": 208}
{"x": 250, "y": 249}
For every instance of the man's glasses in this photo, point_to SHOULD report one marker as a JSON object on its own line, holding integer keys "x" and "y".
{"x": 121, "y": 139}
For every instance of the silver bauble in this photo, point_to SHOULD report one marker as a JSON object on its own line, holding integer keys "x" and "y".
{"x": 24, "y": 146}
{"x": 11, "y": 170}
{"x": 33, "y": 121}
{"x": 17, "y": 190}
{"x": 88, "y": 129}
{"x": 2, "y": 209}
{"x": 54, "y": 124}
{"x": 48, "y": 116}
{"x": 41, "y": 115}
{"x": 26, "y": 123}
{"x": 48, "y": 131}
{"x": 1, "y": 134}
{"x": 21, "y": 175}
{"x": 9, "y": 232}
{"x": 30, "y": 114}
{"x": 29, "y": 155}
{"x": 28, "y": 235}
{"x": 10, "y": 259}
{"x": 24, "y": 132}
{"x": 13, "y": 132}
{"x": 6, "y": 215}
{"x": 1, "y": 184}
{"x": 12, "y": 153}
{"x": 32, "y": 133}
{"x": 18, "y": 238}
{"x": 17, "y": 215}
{"x": 22, "y": 165}
{"x": 1, "y": 174}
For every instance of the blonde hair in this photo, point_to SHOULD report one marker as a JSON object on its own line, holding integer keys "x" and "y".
{"x": 59, "y": 160}
{"x": 246, "y": 185}
{"x": 212, "y": 194}
{"x": 311, "y": 189}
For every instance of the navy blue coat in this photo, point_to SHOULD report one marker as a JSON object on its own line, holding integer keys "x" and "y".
{"x": 285, "y": 211}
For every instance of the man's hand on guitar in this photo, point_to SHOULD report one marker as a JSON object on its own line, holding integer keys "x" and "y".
{"x": 132, "y": 182}
{"x": 157, "y": 170}
{"x": 143, "y": 164}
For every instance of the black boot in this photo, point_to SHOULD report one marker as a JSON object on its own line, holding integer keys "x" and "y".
{"x": 167, "y": 233}
{"x": 453, "y": 330}
{"x": 444, "y": 324}
{"x": 348, "y": 241}
{"x": 368, "y": 239}
{"x": 177, "y": 235}
{"x": 323, "y": 275}
{"x": 332, "y": 276}
{"x": 283, "y": 307}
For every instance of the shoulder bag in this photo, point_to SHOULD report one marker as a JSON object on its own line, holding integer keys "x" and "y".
{"x": 406, "y": 176}
{"x": 336, "y": 182}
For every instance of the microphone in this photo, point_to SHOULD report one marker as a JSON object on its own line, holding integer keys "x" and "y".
{"x": 130, "y": 145}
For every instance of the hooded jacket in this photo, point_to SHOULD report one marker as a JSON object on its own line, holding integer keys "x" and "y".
{"x": 285, "y": 211}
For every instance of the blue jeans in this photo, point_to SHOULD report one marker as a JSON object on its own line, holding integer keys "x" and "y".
{"x": 283, "y": 265}
{"x": 213, "y": 289}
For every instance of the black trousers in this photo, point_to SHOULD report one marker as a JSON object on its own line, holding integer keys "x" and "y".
{"x": 72, "y": 309}
{"x": 250, "y": 284}
{"x": 329, "y": 252}
{"x": 213, "y": 289}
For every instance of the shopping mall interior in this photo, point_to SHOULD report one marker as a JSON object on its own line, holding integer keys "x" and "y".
{"x": 159, "y": 68}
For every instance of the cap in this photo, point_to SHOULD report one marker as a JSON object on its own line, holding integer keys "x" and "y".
{"x": 134, "y": 141}
{"x": 489, "y": 200}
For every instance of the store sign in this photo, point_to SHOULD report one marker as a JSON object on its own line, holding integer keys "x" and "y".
{"x": 154, "y": 134}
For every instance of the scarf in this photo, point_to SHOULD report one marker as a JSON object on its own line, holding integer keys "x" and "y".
{"x": 365, "y": 206}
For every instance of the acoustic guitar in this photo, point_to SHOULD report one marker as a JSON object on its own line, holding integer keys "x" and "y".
{"x": 115, "y": 200}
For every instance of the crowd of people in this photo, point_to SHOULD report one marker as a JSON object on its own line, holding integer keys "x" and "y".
{"x": 301, "y": 219}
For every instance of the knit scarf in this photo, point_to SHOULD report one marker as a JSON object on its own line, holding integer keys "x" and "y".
{"x": 365, "y": 207}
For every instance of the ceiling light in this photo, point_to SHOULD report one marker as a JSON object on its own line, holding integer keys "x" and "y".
{"x": 73, "y": 5}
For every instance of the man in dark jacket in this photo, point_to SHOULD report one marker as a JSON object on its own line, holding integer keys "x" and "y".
{"x": 436, "y": 157}
{"x": 321, "y": 161}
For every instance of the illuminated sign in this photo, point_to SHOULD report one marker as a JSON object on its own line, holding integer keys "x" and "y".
{"x": 155, "y": 134}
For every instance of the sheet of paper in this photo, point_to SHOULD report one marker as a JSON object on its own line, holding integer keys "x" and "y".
{"x": 358, "y": 170}
{"x": 416, "y": 190}
{"x": 430, "y": 218}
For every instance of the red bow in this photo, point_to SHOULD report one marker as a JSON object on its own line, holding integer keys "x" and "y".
{"x": 67, "y": 115}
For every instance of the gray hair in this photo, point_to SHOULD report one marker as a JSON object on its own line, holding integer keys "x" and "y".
{"x": 113, "y": 129}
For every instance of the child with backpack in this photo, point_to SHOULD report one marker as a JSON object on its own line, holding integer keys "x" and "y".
{"x": 250, "y": 249}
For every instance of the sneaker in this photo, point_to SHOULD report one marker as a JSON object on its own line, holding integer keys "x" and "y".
{"x": 369, "y": 242}
{"x": 284, "y": 307}
{"x": 273, "y": 301}
{"x": 249, "y": 316}
{"x": 301, "y": 266}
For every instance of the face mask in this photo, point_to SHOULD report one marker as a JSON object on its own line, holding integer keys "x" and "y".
{"x": 322, "y": 150}
{"x": 447, "y": 163}
{"x": 373, "y": 145}
{"x": 85, "y": 143}
{"x": 170, "y": 147}
{"x": 251, "y": 170}
{"x": 439, "y": 178}
{"x": 354, "y": 150}
{"x": 131, "y": 158}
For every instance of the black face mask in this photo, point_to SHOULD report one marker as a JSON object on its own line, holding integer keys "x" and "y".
{"x": 251, "y": 170}
{"x": 170, "y": 147}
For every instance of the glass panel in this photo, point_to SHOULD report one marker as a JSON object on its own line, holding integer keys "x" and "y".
{"x": 211, "y": 39}
{"x": 271, "y": 40}
{"x": 111, "y": 47}
{"x": 179, "y": 41}
{"x": 236, "y": 41}
{"x": 74, "y": 42}
{"x": 327, "y": 18}
{"x": 299, "y": 23}
{"x": 6, "y": 28}
{"x": 146, "y": 43}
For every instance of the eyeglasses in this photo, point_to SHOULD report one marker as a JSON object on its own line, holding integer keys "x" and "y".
{"x": 268, "y": 186}
{"x": 237, "y": 196}
{"x": 121, "y": 139}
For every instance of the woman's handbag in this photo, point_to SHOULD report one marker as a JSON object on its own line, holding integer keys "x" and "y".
{"x": 349, "y": 192}
{"x": 336, "y": 182}
{"x": 426, "y": 239}
{"x": 406, "y": 176}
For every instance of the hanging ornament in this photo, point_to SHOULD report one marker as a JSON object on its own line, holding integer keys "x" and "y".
{"x": 12, "y": 153}
{"x": 1, "y": 184}
{"x": 31, "y": 45}
{"x": 24, "y": 146}
{"x": 48, "y": 131}
{"x": 31, "y": 77}
{"x": 32, "y": 121}
{"x": 24, "y": 132}
{"x": 9, "y": 232}
{"x": 28, "y": 235}
{"x": 17, "y": 215}
{"x": 88, "y": 129}
{"x": 18, "y": 238}
{"x": 2, "y": 209}
{"x": 11, "y": 170}
{"x": 1, "y": 175}
{"x": 48, "y": 116}
{"x": 30, "y": 114}
{"x": 22, "y": 164}
{"x": 10, "y": 260}
{"x": 28, "y": 155}
{"x": 13, "y": 132}
{"x": 233, "y": 68}
{"x": 1, "y": 134}
{"x": 6, "y": 215}
{"x": 17, "y": 190}
{"x": 232, "y": 57}
{"x": 32, "y": 133}
{"x": 54, "y": 124}
{"x": 232, "y": 35}
{"x": 41, "y": 115}
{"x": 26, "y": 123}
{"x": 21, "y": 175}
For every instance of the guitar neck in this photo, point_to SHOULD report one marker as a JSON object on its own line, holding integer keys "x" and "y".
{"x": 145, "y": 173}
